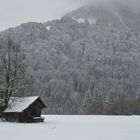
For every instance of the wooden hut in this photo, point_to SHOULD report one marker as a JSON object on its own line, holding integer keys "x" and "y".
{"x": 27, "y": 109}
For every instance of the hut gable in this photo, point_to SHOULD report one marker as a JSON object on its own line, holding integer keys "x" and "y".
{"x": 24, "y": 109}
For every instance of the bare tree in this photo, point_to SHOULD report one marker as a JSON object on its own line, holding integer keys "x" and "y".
{"x": 11, "y": 70}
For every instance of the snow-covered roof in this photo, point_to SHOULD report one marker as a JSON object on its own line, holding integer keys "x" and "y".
{"x": 17, "y": 104}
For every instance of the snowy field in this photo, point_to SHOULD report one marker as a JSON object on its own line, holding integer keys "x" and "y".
{"x": 74, "y": 128}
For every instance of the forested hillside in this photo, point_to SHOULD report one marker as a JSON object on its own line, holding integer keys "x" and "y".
{"x": 88, "y": 62}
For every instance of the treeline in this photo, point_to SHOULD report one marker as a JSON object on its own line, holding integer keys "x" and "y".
{"x": 120, "y": 107}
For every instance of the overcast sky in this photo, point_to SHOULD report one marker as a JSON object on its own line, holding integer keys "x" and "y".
{"x": 15, "y": 12}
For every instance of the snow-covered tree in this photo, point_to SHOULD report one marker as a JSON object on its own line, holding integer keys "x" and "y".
{"x": 11, "y": 70}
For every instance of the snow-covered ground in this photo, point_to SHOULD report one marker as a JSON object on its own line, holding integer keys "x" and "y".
{"x": 74, "y": 128}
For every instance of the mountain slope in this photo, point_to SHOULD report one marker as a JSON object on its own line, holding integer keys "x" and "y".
{"x": 86, "y": 62}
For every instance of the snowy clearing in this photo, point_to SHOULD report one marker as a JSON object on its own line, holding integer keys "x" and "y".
{"x": 92, "y": 21}
{"x": 74, "y": 128}
{"x": 48, "y": 28}
{"x": 80, "y": 20}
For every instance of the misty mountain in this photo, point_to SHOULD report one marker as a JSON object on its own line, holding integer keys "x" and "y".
{"x": 116, "y": 16}
{"x": 86, "y": 62}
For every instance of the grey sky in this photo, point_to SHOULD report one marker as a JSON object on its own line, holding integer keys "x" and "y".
{"x": 15, "y": 12}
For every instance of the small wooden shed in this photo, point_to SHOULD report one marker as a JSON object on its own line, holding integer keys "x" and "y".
{"x": 27, "y": 109}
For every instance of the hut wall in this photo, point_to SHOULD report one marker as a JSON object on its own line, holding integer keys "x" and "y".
{"x": 12, "y": 117}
